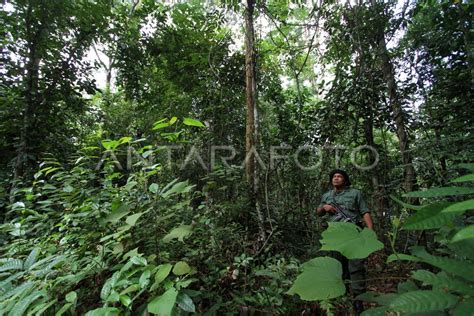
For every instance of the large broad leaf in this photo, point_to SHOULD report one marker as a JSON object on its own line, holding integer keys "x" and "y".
{"x": 456, "y": 267}
{"x": 465, "y": 233}
{"x": 348, "y": 240}
{"x": 460, "y": 207}
{"x": 438, "y": 192}
{"x": 422, "y": 301}
{"x": 163, "y": 305}
{"x": 444, "y": 282}
{"x": 429, "y": 217}
{"x": 321, "y": 279}
{"x": 179, "y": 233}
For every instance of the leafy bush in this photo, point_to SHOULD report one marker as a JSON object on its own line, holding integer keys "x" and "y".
{"x": 448, "y": 285}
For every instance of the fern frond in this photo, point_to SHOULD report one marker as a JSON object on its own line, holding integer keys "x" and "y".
{"x": 12, "y": 264}
{"x": 17, "y": 290}
{"x": 22, "y": 305}
{"x": 31, "y": 259}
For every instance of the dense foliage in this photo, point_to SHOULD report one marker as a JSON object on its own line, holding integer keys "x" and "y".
{"x": 127, "y": 195}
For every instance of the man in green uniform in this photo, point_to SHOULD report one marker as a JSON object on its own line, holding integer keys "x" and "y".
{"x": 354, "y": 207}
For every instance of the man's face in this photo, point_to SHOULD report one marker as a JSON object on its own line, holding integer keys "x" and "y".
{"x": 338, "y": 180}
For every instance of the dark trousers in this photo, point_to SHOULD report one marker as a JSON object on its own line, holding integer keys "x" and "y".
{"x": 352, "y": 270}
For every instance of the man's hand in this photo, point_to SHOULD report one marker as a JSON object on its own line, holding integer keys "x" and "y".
{"x": 326, "y": 208}
{"x": 329, "y": 208}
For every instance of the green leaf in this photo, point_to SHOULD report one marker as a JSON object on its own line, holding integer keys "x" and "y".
{"x": 464, "y": 308}
{"x": 463, "y": 248}
{"x": 130, "y": 289}
{"x": 429, "y": 217}
{"x": 12, "y": 264}
{"x": 71, "y": 297}
{"x": 63, "y": 309}
{"x": 140, "y": 261}
{"x": 465, "y": 233}
{"x": 186, "y": 303}
{"x": 181, "y": 268}
{"x": 68, "y": 189}
{"x": 106, "y": 288}
{"x": 444, "y": 282}
{"x": 31, "y": 259}
{"x": 422, "y": 301}
{"x": 466, "y": 178}
{"x": 116, "y": 215}
{"x": 163, "y": 271}
{"x": 113, "y": 297}
{"x": 104, "y": 311}
{"x": 144, "y": 279}
{"x": 22, "y": 305}
{"x": 173, "y": 120}
{"x": 438, "y": 192}
{"x": 153, "y": 188}
{"x": 130, "y": 185}
{"x": 349, "y": 241}
{"x": 132, "y": 219}
{"x": 180, "y": 187}
{"x": 124, "y": 140}
{"x": 460, "y": 207}
{"x": 453, "y": 266}
{"x": 178, "y": 232}
{"x": 401, "y": 256}
{"x": 377, "y": 311}
{"x": 406, "y": 205}
{"x": 468, "y": 166}
{"x": 191, "y": 122}
{"x": 125, "y": 300}
{"x": 407, "y": 286}
{"x": 321, "y": 279}
{"x": 110, "y": 144}
{"x": 162, "y": 124}
{"x": 163, "y": 305}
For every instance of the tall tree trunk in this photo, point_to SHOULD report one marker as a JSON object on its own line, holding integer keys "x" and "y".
{"x": 396, "y": 106}
{"x": 24, "y": 151}
{"x": 251, "y": 168}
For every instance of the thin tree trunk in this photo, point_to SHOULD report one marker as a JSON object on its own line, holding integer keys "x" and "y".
{"x": 30, "y": 95}
{"x": 251, "y": 171}
{"x": 396, "y": 106}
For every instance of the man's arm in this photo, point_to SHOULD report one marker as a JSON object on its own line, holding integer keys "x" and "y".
{"x": 325, "y": 208}
{"x": 368, "y": 221}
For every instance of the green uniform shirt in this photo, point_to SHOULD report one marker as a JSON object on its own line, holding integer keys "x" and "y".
{"x": 351, "y": 199}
